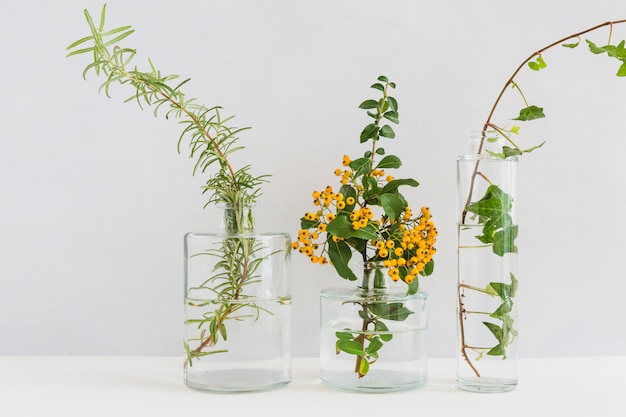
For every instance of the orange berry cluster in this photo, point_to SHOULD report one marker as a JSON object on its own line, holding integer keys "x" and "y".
{"x": 405, "y": 246}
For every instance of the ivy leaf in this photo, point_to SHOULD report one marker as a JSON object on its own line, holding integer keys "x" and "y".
{"x": 387, "y": 132}
{"x": 514, "y": 285}
{"x": 617, "y": 51}
{"x": 369, "y": 104}
{"x": 494, "y": 204}
{"x": 494, "y": 211}
{"x": 389, "y": 161}
{"x": 502, "y": 311}
{"x": 571, "y": 45}
{"x": 502, "y": 289}
{"x": 504, "y": 241}
{"x": 495, "y": 330}
{"x": 614, "y": 51}
{"x": 497, "y": 351}
{"x": 530, "y": 113}
{"x": 340, "y": 254}
{"x": 508, "y": 151}
{"x": 594, "y": 48}
{"x": 538, "y": 64}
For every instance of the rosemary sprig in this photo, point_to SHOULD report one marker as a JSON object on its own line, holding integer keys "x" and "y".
{"x": 211, "y": 139}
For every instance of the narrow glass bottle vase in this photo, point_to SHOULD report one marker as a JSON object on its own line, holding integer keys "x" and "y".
{"x": 237, "y": 307}
{"x": 487, "y": 273}
{"x": 373, "y": 337}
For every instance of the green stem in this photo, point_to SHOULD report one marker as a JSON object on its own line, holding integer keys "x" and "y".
{"x": 471, "y": 287}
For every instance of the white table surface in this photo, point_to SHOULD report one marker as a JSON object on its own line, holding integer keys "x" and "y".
{"x": 152, "y": 386}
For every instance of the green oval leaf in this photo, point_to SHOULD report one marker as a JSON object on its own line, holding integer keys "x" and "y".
{"x": 369, "y": 104}
{"x": 387, "y": 132}
{"x": 340, "y": 226}
{"x": 389, "y": 161}
{"x": 370, "y": 131}
{"x": 392, "y": 205}
{"x": 529, "y": 113}
{"x": 392, "y": 116}
{"x": 349, "y": 346}
{"x": 340, "y": 254}
{"x": 393, "y": 103}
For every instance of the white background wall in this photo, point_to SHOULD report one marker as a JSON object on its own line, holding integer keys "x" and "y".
{"x": 95, "y": 200}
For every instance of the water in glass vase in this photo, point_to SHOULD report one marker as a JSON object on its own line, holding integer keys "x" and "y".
{"x": 400, "y": 361}
{"x": 255, "y": 353}
{"x": 395, "y": 371}
{"x": 487, "y": 327}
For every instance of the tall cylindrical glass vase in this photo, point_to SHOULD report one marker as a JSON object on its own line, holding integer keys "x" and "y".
{"x": 487, "y": 273}
{"x": 237, "y": 307}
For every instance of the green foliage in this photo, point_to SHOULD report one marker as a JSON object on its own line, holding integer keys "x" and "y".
{"x": 236, "y": 268}
{"x": 386, "y": 107}
{"x": 537, "y": 64}
{"x": 614, "y": 51}
{"x": 530, "y": 113}
{"x": 212, "y": 141}
{"x": 212, "y": 138}
{"x": 365, "y": 344}
{"x": 365, "y": 187}
{"x": 350, "y": 225}
{"x": 505, "y": 332}
{"x": 494, "y": 211}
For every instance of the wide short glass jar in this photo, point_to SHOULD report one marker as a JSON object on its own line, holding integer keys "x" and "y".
{"x": 373, "y": 339}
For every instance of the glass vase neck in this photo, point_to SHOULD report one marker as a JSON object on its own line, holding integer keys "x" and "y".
{"x": 373, "y": 276}
{"x": 237, "y": 218}
{"x": 480, "y": 141}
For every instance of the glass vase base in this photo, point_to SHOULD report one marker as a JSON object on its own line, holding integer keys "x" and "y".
{"x": 241, "y": 380}
{"x": 373, "y": 382}
{"x": 487, "y": 385}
